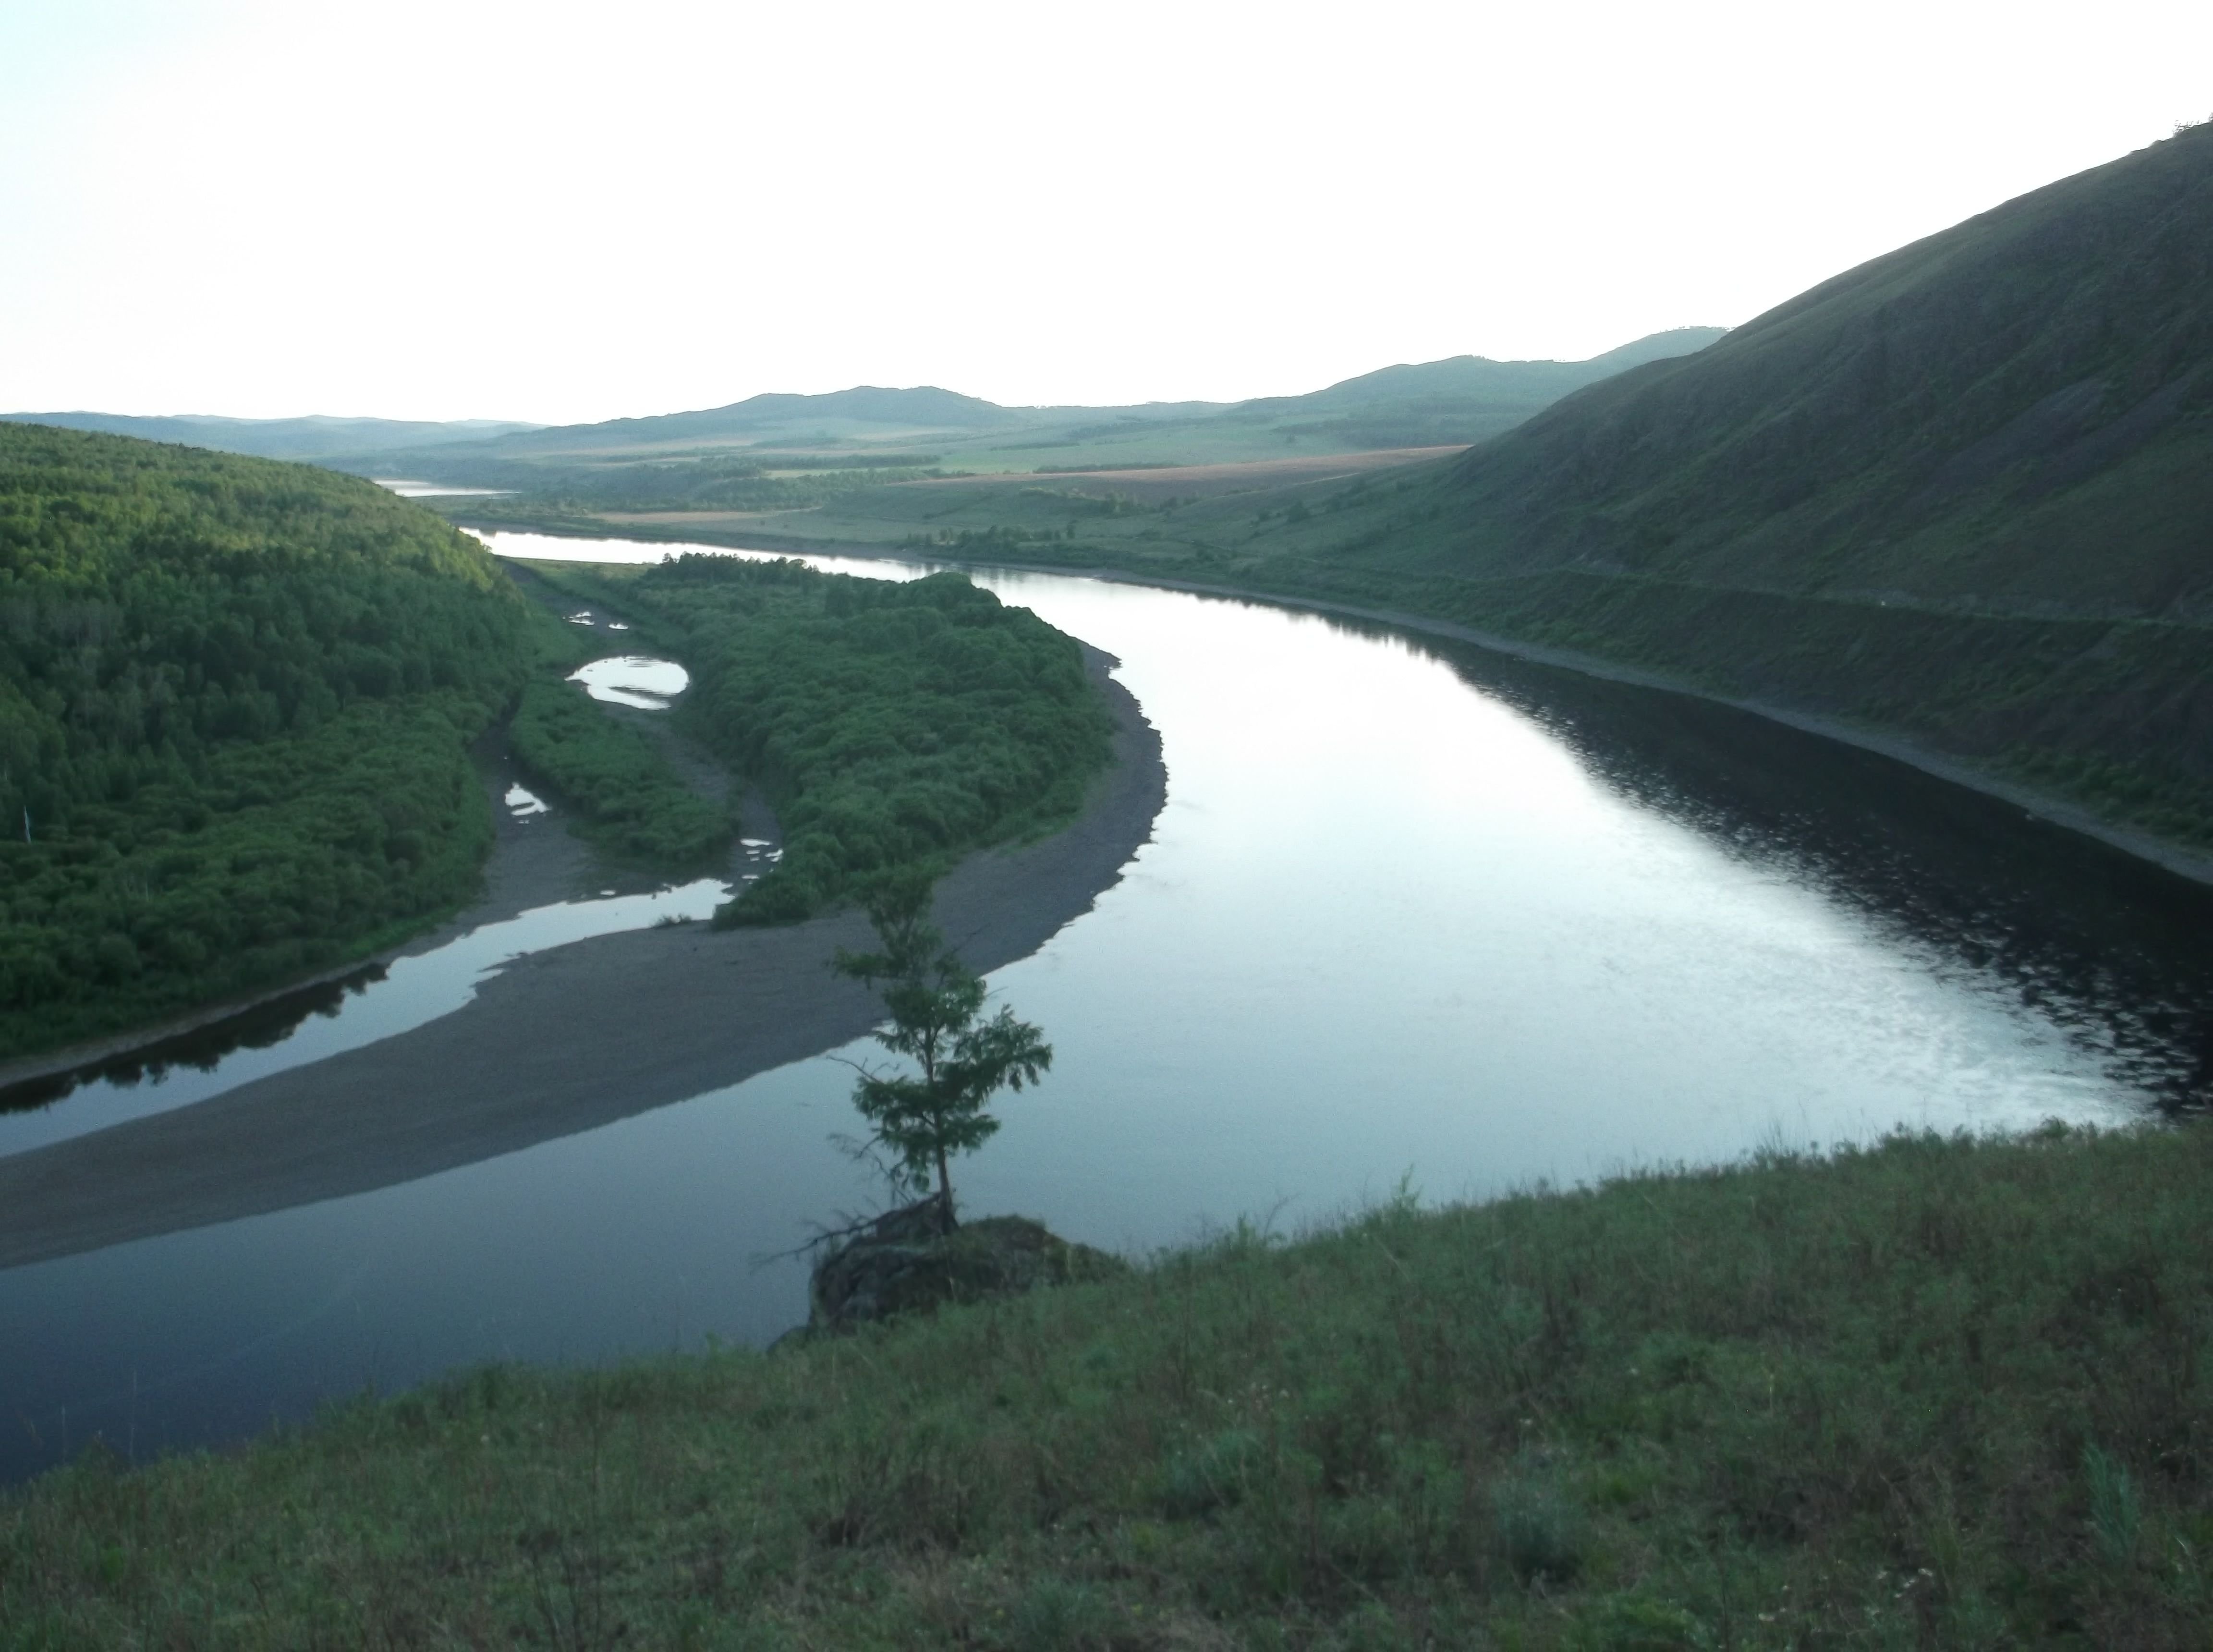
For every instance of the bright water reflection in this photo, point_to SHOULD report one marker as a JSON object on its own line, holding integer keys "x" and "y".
{"x": 633, "y": 679}
{"x": 409, "y": 489}
{"x": 1403, "y": 912}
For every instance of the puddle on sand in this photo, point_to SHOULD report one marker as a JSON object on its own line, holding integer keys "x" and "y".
{"x": 341, "y": 1016}
{"x": 633, "y": 679}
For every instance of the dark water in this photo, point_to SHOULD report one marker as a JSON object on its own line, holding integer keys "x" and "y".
{"x": 1407, "y": 913}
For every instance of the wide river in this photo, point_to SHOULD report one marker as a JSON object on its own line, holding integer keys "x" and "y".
{"x": 1414, "y": 915}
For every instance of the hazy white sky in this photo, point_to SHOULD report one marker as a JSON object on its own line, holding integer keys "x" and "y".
{"x": 567, "y": 211}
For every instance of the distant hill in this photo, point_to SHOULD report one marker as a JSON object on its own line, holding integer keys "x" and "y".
{"x": 865, "y": 410}
{"x": 1463, "y": 399}
{"x": 1452, "y": 402}
{"x": 311, "y": 438}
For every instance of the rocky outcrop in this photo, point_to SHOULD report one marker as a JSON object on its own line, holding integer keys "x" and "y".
{"x": 907, "y": 1262}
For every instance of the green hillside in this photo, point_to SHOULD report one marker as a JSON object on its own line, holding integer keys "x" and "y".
{"x": 2014, "y": 416}
{"x": 234, "y": 700}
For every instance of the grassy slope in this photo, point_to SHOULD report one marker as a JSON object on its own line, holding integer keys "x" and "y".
{"x": 1937, "y": 1394}
{"x": 235, "y": 702}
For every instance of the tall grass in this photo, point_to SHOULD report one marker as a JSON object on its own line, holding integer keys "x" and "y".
{"x": 1936, "y": 1393}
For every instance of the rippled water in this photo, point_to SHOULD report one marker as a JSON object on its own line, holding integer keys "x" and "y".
{"x": 1411, "y": 911}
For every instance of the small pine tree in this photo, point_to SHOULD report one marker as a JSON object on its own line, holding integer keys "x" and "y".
{"x": 934, "y": 1003}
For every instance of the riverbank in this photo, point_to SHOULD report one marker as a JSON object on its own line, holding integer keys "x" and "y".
{"x": 2181, "y": 859}
{"x": 1939, "y": 1393}
{"x": 559, "y": 1042}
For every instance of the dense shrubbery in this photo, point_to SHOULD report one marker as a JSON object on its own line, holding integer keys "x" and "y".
{"x": 891, "y": 724}
{"x": 628, "y": 798}
{"x": 234, "y": 700}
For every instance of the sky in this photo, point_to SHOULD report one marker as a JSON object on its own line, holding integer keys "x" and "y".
{"x": 563, "y": 212}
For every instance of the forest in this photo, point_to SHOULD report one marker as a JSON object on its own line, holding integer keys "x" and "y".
{"x": 235, "y": 701}
{"x": 889, "y": 724}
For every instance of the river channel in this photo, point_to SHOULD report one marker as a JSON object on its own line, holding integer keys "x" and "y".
{"x": 1413, "y": 913}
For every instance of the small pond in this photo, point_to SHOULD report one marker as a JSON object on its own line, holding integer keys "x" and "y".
{"x": 633, "y": 679}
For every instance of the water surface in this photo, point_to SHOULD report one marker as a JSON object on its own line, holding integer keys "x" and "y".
{"x": 1409, "y": 911}
{"x": 632, "y": 679}
{"x": 358, "y": 1009}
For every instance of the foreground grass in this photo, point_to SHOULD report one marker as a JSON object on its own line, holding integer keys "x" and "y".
{"x": 1938, "y": 1392}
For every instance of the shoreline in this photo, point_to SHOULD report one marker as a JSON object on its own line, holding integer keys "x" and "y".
{"x": 560, "y": 1042}
{"x": 526, "y": 869}
{"x": 2056, "y": 811}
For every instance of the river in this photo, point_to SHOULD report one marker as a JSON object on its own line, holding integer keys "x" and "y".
{"x": 1414, "y": 915}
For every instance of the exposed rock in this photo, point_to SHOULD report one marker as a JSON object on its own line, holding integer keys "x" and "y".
{"x": 905, "y": 1262}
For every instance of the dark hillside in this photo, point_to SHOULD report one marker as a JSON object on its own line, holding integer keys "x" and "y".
{"x": 234, "y": 700}
{"x": 2014, "y": 415}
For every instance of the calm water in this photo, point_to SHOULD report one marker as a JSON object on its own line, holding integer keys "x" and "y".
{"x": 633, "y": 679}
{"x": 1407, "y": 912}
{"x": 375, "y": 1003}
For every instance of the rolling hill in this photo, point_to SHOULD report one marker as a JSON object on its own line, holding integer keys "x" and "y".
{"x": 312, "y": 438}
{"x": 1455, "y": 402}
{"x": 2014, "y": 415}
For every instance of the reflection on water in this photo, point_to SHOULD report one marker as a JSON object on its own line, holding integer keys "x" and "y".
{"x": 2114, "y": 951}
{"x": 408, "y": 489}
{"x": 633, "y": 679}
{"x": 321, "y": 1020}
{"x": 1407, "y": 908}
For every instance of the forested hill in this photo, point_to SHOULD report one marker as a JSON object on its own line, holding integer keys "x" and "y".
{"x": 2015, "y": 414}
{"x": 234, "y": 700}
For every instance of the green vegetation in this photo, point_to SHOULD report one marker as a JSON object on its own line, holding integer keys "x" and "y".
{"x": 627, "y": 798}
{"x": 892, "y": 725}
{"x": 934, "y": 1001}
{"x": 235, "y": 698}
{"x": 1938, "y": 1392}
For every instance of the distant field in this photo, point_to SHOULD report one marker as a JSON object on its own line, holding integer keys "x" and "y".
{"x": 1155, "y": 484}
